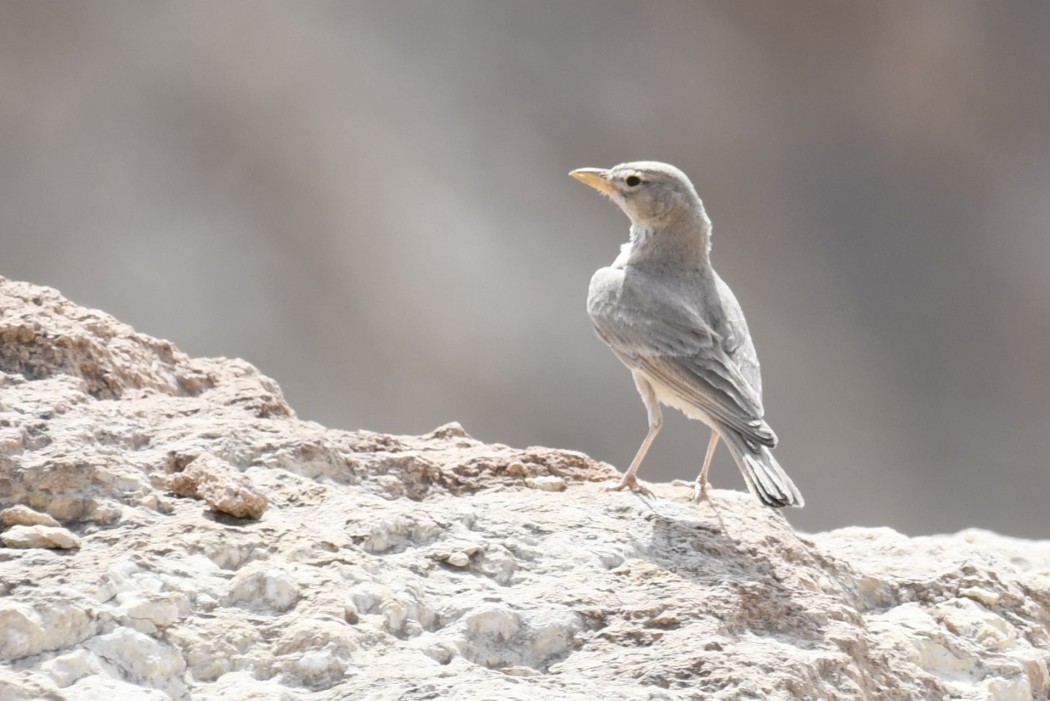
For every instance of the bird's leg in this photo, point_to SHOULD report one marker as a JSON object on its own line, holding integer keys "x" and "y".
{"x": 701, "y": 485}
{"x": 656, "y": 420}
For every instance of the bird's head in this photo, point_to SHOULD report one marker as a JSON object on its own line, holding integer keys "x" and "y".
{"x": 653, "y": 195}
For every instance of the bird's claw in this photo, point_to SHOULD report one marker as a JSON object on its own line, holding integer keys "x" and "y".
{"x": 700, "y": 490}
{"x": 630, "y": 482}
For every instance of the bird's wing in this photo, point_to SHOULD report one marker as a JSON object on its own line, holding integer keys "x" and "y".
{"x": 736, "y": 338}
{"x": 675, "y": 346}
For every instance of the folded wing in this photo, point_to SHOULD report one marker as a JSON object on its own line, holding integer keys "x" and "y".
{"x": 675, "y": 346}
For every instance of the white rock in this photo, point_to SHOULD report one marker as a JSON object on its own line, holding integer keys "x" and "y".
{"x": 147, "y": 612}
{"x": 126, "y": 575}
{"x": 220, "y": 644}
{"x": 262, "y": 586}
{"x": 100, "y": 688}
{"x": 22, "y": 515}
{"x": 68, "y": 668}
{"x": 546, "y": 483}
{"x": 985, "y": 596}
{"x": 39, "y": 537}
{"x": 458, "y": 559}
{"x": 242, "y": 686}
{"x": 550, "y": 634}
{"x": 440, "y": 651}
{"x": 609, "y": 559}
{"x": 318, "y": 669}
{"x": 141, "y": 660}
{"x": 498, "y": 623}
{"x": 1009, "y": 690}
{"x": 489, "y": 632}
{"x": 45, "y": 623}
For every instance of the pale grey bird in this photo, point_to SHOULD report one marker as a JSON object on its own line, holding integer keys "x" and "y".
{"x": 667, "y": 316}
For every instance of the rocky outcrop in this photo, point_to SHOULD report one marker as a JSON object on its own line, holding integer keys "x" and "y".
{"x": 194, "y": 539}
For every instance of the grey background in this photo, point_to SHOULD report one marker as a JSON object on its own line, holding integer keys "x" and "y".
{"x": 369, "y": 201}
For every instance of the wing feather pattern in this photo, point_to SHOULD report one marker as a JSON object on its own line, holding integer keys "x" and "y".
{"x": 676, "y": 347}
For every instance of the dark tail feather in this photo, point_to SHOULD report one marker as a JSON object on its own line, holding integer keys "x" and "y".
{"x": 763, "y": 474}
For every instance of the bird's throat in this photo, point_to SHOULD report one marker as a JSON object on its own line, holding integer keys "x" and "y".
{"x": 640, "y": 235}
{"x": 667, "y": 248}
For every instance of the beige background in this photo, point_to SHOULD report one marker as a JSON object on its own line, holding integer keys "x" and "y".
{"x": 369, "y": 201}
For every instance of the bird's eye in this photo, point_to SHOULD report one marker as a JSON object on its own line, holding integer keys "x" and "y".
{"x": 633, "y": 181}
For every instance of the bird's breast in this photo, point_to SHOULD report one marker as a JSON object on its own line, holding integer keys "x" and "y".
{"x": 605, "y": 290}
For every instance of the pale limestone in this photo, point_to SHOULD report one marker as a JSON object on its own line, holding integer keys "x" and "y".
{"x": 21, "y": 515}
{"x": 547, "y": 483}
{"x": 458, "y": 559}
{"x": 101, "y": 688}
{"x": 264, "y": 587}
{"x": 220, "y": 485}
{"x": 70, "y": 667}
{"x": 52, "y": 537}
{"x": 51, "y": 620}
{"x": 148, "y": 612}
{"x": 412, "y": 567}
{"x": 142, "y": 660}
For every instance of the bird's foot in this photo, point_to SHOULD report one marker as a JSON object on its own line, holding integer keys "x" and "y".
{"x": 630, "y": 482}
{"x": 701, "y": 490}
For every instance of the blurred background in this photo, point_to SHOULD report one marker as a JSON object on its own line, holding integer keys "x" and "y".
{"x": 370, "y": 202}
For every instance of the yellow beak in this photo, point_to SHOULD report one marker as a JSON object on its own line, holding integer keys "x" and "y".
{"x": 597, "y": 178}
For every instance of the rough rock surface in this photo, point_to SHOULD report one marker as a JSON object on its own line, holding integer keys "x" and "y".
{"x": 220, "y": 484}
{"x": 21, "y": 515}
{"x": 39, "y": 537}
{"x": 394, "y": 567}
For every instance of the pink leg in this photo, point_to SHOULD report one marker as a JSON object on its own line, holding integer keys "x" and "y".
{"x": 701, "y": 485}
{"x": 652, "y": 407}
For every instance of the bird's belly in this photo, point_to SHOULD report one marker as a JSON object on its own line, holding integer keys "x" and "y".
{"x": 668, "y": 397}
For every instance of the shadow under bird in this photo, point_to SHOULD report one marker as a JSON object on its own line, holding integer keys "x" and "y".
{"x": 676, "y": 325}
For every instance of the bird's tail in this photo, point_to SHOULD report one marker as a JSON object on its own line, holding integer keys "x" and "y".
{"x": 764, "y": 476}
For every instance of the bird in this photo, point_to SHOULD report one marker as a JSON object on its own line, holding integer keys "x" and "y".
{"x": 669, "y": 317}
